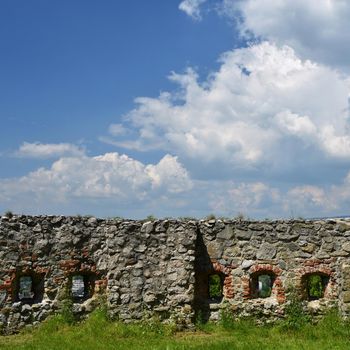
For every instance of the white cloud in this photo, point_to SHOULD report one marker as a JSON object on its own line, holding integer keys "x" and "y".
{"x": 116, "y": 178}
{"x": 169, "y": 175}
{"x": 251, "y": 198}
{"x": 192, "y": 8}
{"x": 316, "y": 29}
{"x": 301, "y": 198}
{"x": 295, "y": 125}
{"x": 117, "y": 129}
{"x": 335, "y": 145}
{"x": 48, "y": 150}
{"x": 270, "y": 128}
{"x": 262, "y": 98}
{"x": 113, "y": 184}
{"x": 262, "y": 200}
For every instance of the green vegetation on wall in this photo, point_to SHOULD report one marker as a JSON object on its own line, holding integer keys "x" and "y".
{"x": 215, "y": 286}
{"x": 315, "y": 286}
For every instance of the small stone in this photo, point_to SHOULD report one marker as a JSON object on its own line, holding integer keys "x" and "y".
{"x": 37, "y": 228}
{"x": 92, "y": 221}
{"x": 256, "y": 227}
{"x": 215, "y": 250}
{"x": 328, "y": 247}
{"x": 245, "y": 235}
{"x": 57, "y": 219}
{"x": 266, "y": 251}
{"x": 226, "y": 233}
{"x": 346, "y": 297}
{"x": 282, "y": 264}
{"x": 309, "y": 248}
{"x": 346, "y": 284}
{"x": 147, "y": 227}
{"x": 3, "y": 297}
{"x": 287, "y": 236}
{"x": 343, "y": 227}
{"x": 246, "y": 264}
{"x": 141, "y": 248}
{"x": 281, "y": 228}
{"x": 292, "y": 246}
{"x": 149, "y": 298}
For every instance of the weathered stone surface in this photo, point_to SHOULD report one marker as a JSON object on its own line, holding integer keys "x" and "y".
{"x": 266, "y": 251}
{"x": 226, "y": 233}
{"x": 3, "y": 296}
{"x": 287, "y": 236}
{"x": 163, "y": 266}
{"x": 245, "y": 235}
{"x": 257, "y": 227}
{"x": 293, "y": 246}
{"x": 346, "y": 284}
{"x": 308, "y": 248}
{"x": 346, "y": 246}
{"x": 343, "y": 227}
{"x": 346, "y": 297}
{"x": 247, "y": 263}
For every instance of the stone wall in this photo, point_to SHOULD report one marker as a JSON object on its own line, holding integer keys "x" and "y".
{"x": 162, "y": 268}
{"x": 143, "y": 268}
{"x": 289, "y": 251}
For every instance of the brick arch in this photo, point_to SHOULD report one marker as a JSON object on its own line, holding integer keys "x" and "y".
{"x": 95, "y": 281}
{"x": 226, "y": 271}
{"x": 317, "y": 269}
{"x": 277, "y": 288}
{"x": 38, "y": 283}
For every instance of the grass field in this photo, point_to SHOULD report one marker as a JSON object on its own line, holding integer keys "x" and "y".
{"x": 99, "y": 333}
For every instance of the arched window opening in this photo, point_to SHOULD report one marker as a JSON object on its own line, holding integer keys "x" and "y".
{"x": 82, "y": 287}
{"x": 29, "y": 288}
{"x": 261, "y": 285}
{"x": 315, "y": 285}
{"x": 215, "y": 285}
{"x": 78, "y": 286}
{"x": 25, "y": 290}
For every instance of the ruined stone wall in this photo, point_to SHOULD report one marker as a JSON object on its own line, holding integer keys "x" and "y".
{"x": 163, "y": 268}
{"x": 143, "y": 268}
{"x": 289, "y": 251}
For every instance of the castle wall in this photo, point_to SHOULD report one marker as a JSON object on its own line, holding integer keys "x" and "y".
{"x": 163, "y": 268}
{"x": 289, "y": 251}
{"x": 143, "y": 268}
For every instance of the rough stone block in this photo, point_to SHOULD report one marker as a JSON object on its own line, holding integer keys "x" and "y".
{"x": 244, "y": 235}
{"x": 266, "y": 251}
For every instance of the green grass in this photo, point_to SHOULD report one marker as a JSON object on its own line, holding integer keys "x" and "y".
{"x": 99, "y": 333}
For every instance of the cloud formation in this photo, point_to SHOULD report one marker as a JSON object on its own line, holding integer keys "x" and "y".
{"x": 267, "y": 134}
{"x": 118, "y": 184}
{"x": 192, "y": 8}
{"x": 316, "y": 29}
{"x": 263, "y": 106}
{"x": 113, "y": 177}
{"x": 48, "y": 150}
{"x": 262, "y": 200}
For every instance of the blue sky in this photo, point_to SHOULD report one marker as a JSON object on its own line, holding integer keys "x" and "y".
{"x": 72, "y": 68}
{"x": 175, "y": 108}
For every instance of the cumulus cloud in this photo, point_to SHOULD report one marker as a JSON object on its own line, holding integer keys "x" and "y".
{"x": 168, "y": 175}
{"x": 113, "y": 177}
{"x": 192, "y": 8}
{"x": 267, "y": 201}
{"x": 48, "y": 150}
{"x": 233, "y": 198}
{"x": 316, "y": 29}
{"x": 263, "y": 101}
{"x": 267, "y": 134}
{"x": 117, "y": 184}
